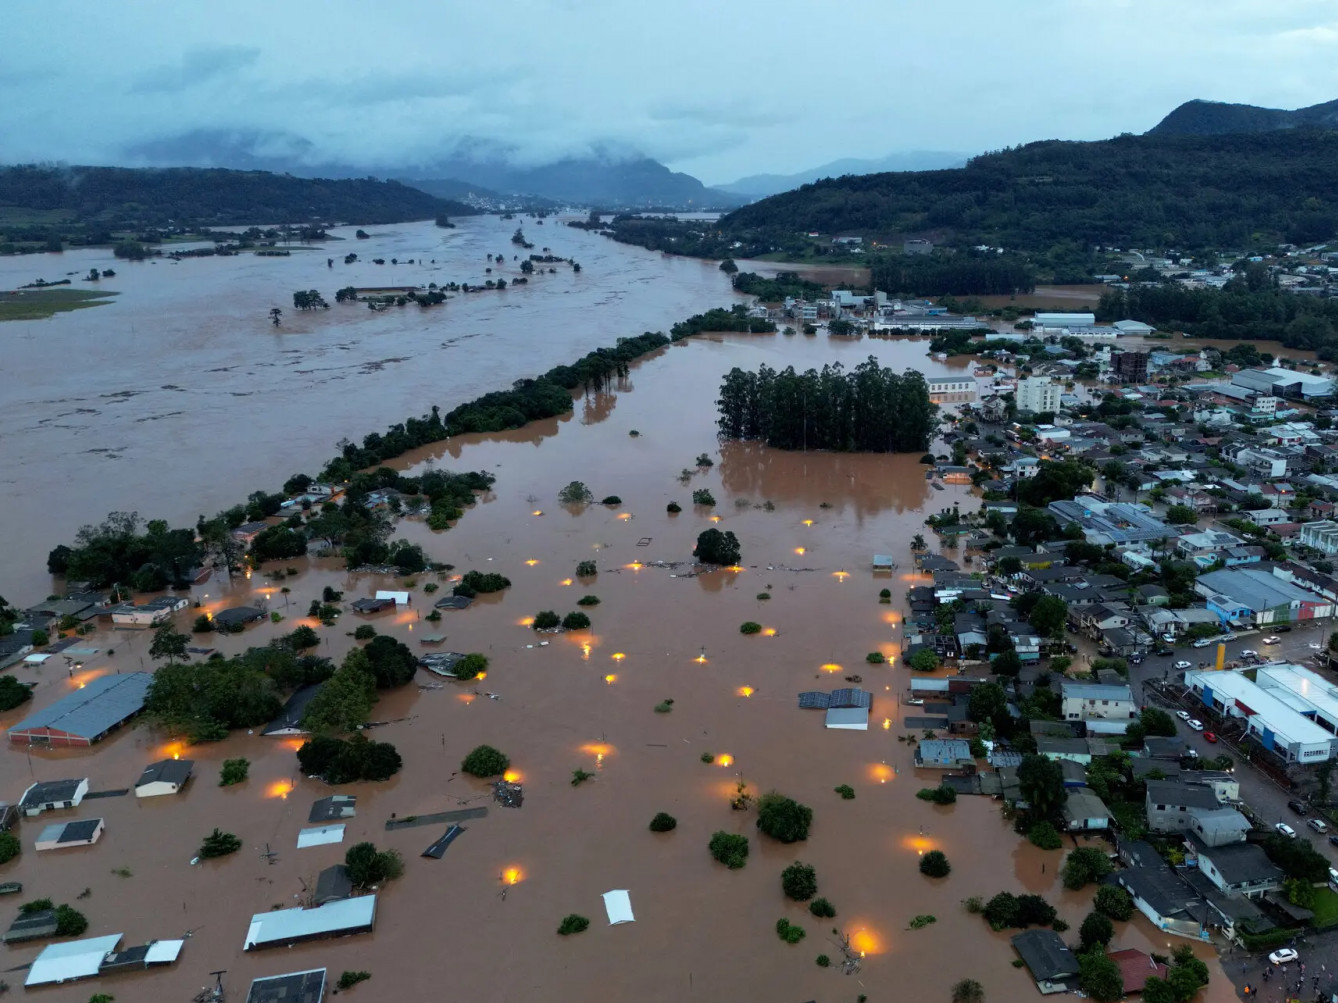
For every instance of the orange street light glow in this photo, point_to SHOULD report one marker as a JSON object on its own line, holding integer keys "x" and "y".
{"x": 532, "y": 561}
{"x": 481, "y": 676}
{"x": 511, "y": 875}
{"x": 769, "y": 632}
{"x": 866, "y": 942}
{"x": 831, "y": 667}
{"x": 880, "y": 772}
{"x": 746, "y": 691}
{"x": 512, "y": 776}
{"x": 725, "y": 760}
{"x": 565, "y": 581}
{"x": 465, "y": 698}
{"x": 278, "y": 789}
{"x": 887, "y": 724}
{"x": 808, "y": 522}
{"x": 617, "y": 656}
{"x": 624, "y": 515}
{"x": 799, "y": 550}
{"x": 585, "y": 651}
{"x": 841, "y": 575}
{"x": 610, "y": 679}
{"x": 537, "y": 511}
{"x": 527, "y": 621}
{"x": 634, "y": 566}
{"x": 597, "y": 749}
{"x": 700, "y": 659}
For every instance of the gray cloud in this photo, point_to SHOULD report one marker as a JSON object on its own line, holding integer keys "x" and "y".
{"x": 716, "y": 90}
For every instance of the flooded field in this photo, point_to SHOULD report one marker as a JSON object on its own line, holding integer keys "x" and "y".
{"x": 480, "y": 922}
{"x": 179, "y": 397}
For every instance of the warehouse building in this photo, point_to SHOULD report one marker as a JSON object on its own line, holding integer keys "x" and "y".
{"x": 1269, "y": 715}
{"x": 88, "y": 714}
{"x": 284, "y": 927}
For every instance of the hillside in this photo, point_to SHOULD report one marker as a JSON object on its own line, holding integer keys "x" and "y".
{"x": 1215, "y": 118}
{"x": 762, "y": 185}
{"x": 1140, "y": 191}
{"x": 119, "y": 196}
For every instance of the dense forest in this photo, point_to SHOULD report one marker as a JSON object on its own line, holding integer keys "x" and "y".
{"x": 101, "y": 199}
{"x": 1249, "y": 307}
{"x": 1187, "y": 192}
{"x": 967, "y": 274}
{"x": 777, "y": 288}
{"x": 869, "y": 409}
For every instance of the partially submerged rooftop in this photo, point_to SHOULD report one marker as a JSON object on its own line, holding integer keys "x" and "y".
{"x": 296, "y": 987}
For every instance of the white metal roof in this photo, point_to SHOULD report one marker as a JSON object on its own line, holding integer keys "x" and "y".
{"x": 848, "y": 718}
{"x": 398, "y": 598}
{"x": 1300, "y": 688}
{"x": 1280, "y": 718}
{"x": 163, "y": 952}
{"x": 320, "y": 835}
{"x": 618, "y": 904}
{"x": 74, "y": 959}
{"x": 283, "y": 926}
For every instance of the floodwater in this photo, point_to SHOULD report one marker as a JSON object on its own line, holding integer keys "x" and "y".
{"x": 180, "y": 398}
{"x": 585, "y": 700}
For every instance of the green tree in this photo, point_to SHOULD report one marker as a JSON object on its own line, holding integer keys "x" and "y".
{"x": 219, "y": 844}
{"x": 1096, "y": 931}
{"x": 923, "y": 660}
{"x": 728, "y": 267}
{"x": 13, "y": 693}
{"x": 576, "y": 493}
{"x": 485, "y": 761}
{"x": 715, "y": 547}
{"x": 70, "y": 922}
{"x": 1181, "y": 515}
{"x": 1085, "y": 865}
{"x": 934, "y": 864}
{"x": 1158, "y": 990}
{"x": 988, "y": 702}
{"x": 234, "y": 771}
{"x": 1114, "y": 902}
{"x": 471, "y": 666}
{"x": 1100, "y": 977}
{"x": 345, "y": 700}
{"x": 663, "y": 822}
{"x": 1049, "y": 616}
{"x": 968, "y": 991}
{"x": 799, "y": 882}
{"x": 783, "y": 818}
{"x": 1041, "y": 784}
{"x": 729, "y": 849}
{"x": 168, "y": 642}
{"x": 10, "y": 847}
{"x": 368, "y": 866}
{"x": 1157, "y": 722}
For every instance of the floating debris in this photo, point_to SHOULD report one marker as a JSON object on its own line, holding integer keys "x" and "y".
{"x": 508, "y": 794}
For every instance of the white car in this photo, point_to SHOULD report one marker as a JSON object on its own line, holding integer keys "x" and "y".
{"x": 1203, "y": 642}
{"x": 1182, "y": 666}
{"x": 1183, "y": 715}
{"x": 1272, "y": 639}
{"x": 1195, "y": 723}
{"x": 1318, "y": 825}
{"x": 1290, "y": 833}
{"x": 1248, "y": 653}
{"x": 1283, "y": 956}
{"x": 1315, "y": 646}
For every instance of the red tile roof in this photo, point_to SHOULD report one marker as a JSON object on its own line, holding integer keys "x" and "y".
{"x": 1135, "y": 968}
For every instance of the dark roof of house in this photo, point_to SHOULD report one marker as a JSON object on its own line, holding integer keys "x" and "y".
{"x": 298, "y": 987}
{"x": 453, "y": 602}
{"x": 1238, "y": 863}
{"x": 238, "y": 614}
{"x": 1046, "y": 955}
{"x": 1180, "y": 794}
{"x": 80, "y": 831}
{"x": 1162, "y": 889}
{"x": 335, "y": 806}
{"x": 1157, "y": 747}
{"x": 851, "y": 696}
{"x": 1142, "y": 766}
{"x": 92, "y": 711}
{"x": 171, "y": 771}
{"x": 31, "y": 926}
{"x": 50, "y": 791}
{"x": 372, "y": 605}
{"x": 290, "y": 718}
{"x": 333, "y": 883}
{"x": 1062, "y": 746}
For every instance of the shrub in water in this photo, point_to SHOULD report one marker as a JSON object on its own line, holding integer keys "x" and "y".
{"x": 935, "y": 864}
{"x": 822, "y": 908}
{"x": 846, "y": 791}
{"x": 799, "y": 882}
{"x": 546, "y": 620}
{"x": 729, "y": 849}
{"x": 572, "y": 924}
{"x": 663, "y": 822}
{"x": 789, "y": 932}
{"x": 485, "y": 761}
{"x": 750, "y": 627}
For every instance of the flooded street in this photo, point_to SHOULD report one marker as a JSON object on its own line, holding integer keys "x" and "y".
{"x": 582, "y": 700}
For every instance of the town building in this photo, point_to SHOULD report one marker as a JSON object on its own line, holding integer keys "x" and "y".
{"x": 1047, "y": 321}
{"x": 1247, "y": 596}
{"x": 1177, "y": 807}
{"x": 50, "y": 795}
{"x": 1091, "y": 701}
{"x": 1104, "y": 522}
{"x": 1279, "y": 382}
{"x": 149, "y": 614}
{"x": 1321, "y": 535}
{"x": 1130, "y": 367}
{"x": 1048, "y": 958}
{"x": 1037, "y": 394}
{"x": 1269, "y": 715}
{"x": 284, "y": 927}
{"x": 167, "y": 776}
{"x": 88, "y": 714}
{"x": 63, "y": 835}
{"x": 951, "y": 385}
{"x": 297, "y": 987}
{"x": 1237, "y": 868}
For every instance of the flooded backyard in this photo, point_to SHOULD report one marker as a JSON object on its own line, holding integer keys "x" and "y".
{"x": 480, "y": 922}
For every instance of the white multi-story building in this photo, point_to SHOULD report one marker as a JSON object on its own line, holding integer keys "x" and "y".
{"x": 1322, "y": 535}
{"x": 1037, "y": 394}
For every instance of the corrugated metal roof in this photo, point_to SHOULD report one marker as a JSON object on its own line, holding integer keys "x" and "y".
{"x": 297, "y": 987}
{"x": 102, "y": 704}
{"x": 74, "y": 959}
{"x": 320, "y": 836}
{"x": 284, "y": 926}
{"x": 162, "y": 952}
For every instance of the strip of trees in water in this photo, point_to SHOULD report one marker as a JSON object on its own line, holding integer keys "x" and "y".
{"x": 869, "y": 409}
{"x": 124, "y": 551}
{"x": 965, "y": 274}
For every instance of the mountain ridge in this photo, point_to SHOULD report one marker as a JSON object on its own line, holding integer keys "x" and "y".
{"x": 762, "y": 185}
{"x": 1199, "y": 117}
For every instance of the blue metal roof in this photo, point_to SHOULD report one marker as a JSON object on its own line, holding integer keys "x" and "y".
{"x": 92, "y": 711}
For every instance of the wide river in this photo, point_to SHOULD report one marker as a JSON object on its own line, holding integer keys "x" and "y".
{"x": 254, "y": 405}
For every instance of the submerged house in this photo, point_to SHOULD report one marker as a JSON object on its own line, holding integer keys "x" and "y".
{"x": 285, "y": 927}
{"x": 88, "y": 714}
{"x": 167, "y": 776}
{"x": 48, "y": 795}
{"x": 1048, "y": 958}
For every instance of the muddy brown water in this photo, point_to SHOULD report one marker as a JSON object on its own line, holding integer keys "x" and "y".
{"x": 585, "y": 700}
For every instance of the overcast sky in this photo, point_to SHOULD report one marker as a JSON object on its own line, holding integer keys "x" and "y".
{"x": 717, "y": 88}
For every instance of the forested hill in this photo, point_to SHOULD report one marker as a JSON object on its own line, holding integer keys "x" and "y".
{"x": 1141, "y": 191}
{"x": 1213, "y": 118}
{"x": 114, "y": 196}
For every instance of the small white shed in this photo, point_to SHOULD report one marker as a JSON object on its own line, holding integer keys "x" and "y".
{"x": 618, "y": 904}
{"x": 398, "y": 598}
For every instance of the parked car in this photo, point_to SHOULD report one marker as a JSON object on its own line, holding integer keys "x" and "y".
{"x": 1272, "y": 640}
{"x": 1297, "y": 806}
{"x": 1183, "y": 715}
{"x": 1203, "y": 642}
{"x": 1283, "y": 628}
{"x": 1168, "y": 638}
{"x": 1290, "y": 833}
{"x": 1333, "y": 840}
{"x": 1182, "y": 666}
{"x": 1210, "y": 736}
{"x": 1195, "y": 723}
{"x": 1163, "y": 652}
{"x": 1248, "y": 653}
{"x": 1283, "y": 956}
{"x": 915, "y": 702}
{"x": 1318, "y": 825}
